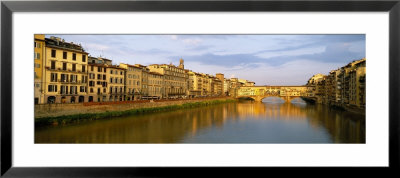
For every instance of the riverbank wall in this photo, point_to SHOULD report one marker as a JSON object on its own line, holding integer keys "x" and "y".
{"x": 54, "y": 114}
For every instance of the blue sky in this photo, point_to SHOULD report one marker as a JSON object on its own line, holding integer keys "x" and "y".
{"x": 264, "y": 59}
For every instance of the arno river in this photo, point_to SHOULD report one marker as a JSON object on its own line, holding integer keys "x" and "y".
{"x": 243, "y": 122}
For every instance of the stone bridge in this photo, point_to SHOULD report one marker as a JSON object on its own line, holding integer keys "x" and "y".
{"x": 287, "y": 93}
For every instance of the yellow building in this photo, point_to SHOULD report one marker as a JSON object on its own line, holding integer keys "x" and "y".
{"x": 175, "y": 79}
{"x": 116, "y": 83}
{"x": 357, "y": 84}
{"x": 98, "y": 83}
{"x": 221, "y": 78}
{"x": 133, "y": 81}
{"x": 195, "y": 84}
{"x": 39, "y": 51}
{"x": 155, "y": 85}
{"x": 65, "y": 76}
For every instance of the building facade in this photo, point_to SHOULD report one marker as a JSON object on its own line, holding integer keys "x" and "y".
{"x": 39, "y": 60}
{"x": 116, "y": 83}
{"x": 175, "y": 79}
{"x": 133, "y": 81}
{"x": 65, "y": 75}
{"x": 97, "y": 79}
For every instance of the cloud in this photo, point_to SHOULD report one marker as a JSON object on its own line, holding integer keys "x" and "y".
{"x": 192, "y": 41}
{"x": 173, "y": 37}
{"x": 95, "y": 46}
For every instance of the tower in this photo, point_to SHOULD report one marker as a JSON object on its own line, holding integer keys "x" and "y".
{"x": 181, "y": 65}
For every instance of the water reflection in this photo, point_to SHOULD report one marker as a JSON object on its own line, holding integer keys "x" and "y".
{"x": 243, "y": 122}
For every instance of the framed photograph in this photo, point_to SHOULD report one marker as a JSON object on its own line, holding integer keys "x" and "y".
{"x": 136, "y": 88}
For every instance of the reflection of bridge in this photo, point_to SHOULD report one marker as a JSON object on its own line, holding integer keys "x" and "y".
{"x": 287, "y": 93}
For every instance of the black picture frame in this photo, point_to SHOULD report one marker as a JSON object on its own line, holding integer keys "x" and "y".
{"x": 8, "y": 7}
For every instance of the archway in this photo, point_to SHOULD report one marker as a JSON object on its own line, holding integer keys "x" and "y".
{"x": 51, "y": 99}
{"x": 72, "y": 99}
{"x": 63, "y": 100}
{"x": 90, "y": 98}
{"x": 272, "y": 99}
{"x": 246, "y": 98}
{"x": 297, "y": 100}
{"x": 81, "y": 99}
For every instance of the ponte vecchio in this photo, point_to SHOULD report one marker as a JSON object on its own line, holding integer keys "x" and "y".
{"x": 287, "y": 93}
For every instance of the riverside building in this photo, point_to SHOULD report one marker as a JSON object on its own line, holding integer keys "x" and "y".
{"x": 175, "y": 79}
{"x": 39, "y": 60}
{"x": 65, "y": 75}
{"x": 98, "y": 83}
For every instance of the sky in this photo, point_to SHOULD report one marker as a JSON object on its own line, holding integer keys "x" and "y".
{"x": 264, "y": 59}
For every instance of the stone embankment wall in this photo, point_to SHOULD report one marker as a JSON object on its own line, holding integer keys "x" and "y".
{"x": 54, "y": 110}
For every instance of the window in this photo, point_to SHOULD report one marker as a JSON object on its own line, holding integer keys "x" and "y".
{"x": 53, "y": 77}
{"x": 73, "y": 90}
{"x": 98, "y": 69}
{"x": 98, "y": 76}
{"x": 64, "y": 66}
{"x": 120, "y": 80}
{"x": 64, "y": 55}
{"x": 83, "y": 58}
{"x": 111, "y": 71}
{"x": 74, "y": 56}
{"x": 37, "y": 56}
{"x": 83, "y": 68}
{"x": 111, "y": 90}
{"x": 91, "y": 68}
{"x": 83, "y": 79}
{"x": 73, "y": 78}
{"x": 91, "y": 90}
{"x": 37, "y": 45}
{"x": 52, "y": 88}
{"x": 105, "y": 70}
{"x": 74, "y": 67}
{"x": 63, "y": 89}
{"x": 111, "y": 80}
{"x": 53, "y": 53}
{"x": 104, "y": 77}
{"x": 64, "y": 78}
{"x": 121, "y": 72}
{"x": 82, "y": 89}
{"x": 91, "y": 83}
{"x": 53, "y": 65}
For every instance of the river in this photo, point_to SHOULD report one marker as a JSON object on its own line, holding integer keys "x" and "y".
{"x": 271, "y": 121}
